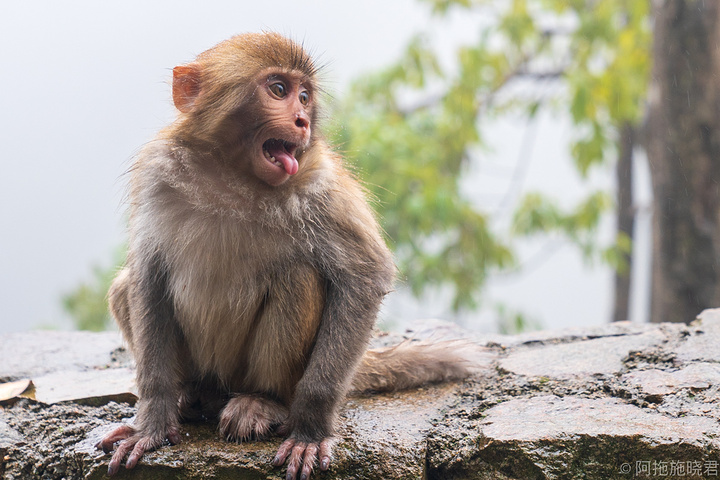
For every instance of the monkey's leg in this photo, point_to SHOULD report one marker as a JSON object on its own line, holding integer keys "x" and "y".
{"x": 355, "y": 287}
{"x": 247, "y": 417}
{"x": 161, "y": 366}
{"x": 118, "y": 304}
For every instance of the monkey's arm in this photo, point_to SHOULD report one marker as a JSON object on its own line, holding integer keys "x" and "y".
{"x": 156, "y": 343}
{"x": 359, "y": 272}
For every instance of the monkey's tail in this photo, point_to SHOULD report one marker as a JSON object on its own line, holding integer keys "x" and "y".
{"x": 411, "y": 364}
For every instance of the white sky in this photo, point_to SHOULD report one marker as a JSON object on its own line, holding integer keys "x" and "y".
{"x": 84, "y": 84}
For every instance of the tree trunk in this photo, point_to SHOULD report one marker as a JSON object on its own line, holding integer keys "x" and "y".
{"x": 625, "y": 219}
{"x": 683, "y": 146}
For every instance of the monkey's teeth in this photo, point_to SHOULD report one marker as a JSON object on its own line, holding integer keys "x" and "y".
{"x": 271, "y": 158}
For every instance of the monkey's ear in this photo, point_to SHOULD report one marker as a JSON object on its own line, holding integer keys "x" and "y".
{"x": 186, "y": 86}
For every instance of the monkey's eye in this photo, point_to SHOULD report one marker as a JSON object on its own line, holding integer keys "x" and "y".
{"x": 279, "y": 89}
{"x": 304, "y": 97}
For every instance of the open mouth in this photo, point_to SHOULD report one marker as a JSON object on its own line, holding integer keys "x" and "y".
{"x": 281, "y": 154}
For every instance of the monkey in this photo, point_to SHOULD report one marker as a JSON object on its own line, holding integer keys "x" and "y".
{"x": 256, "y": 267}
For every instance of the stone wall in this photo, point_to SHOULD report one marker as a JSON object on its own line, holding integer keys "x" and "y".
{"x": 619, "y": 401}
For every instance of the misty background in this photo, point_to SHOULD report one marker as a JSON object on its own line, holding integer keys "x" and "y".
{"x": 85, "y": 84}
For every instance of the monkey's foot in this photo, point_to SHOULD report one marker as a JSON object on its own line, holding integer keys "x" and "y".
{"x": 129, "y": 441}
{"x": 303, "y": 454}
{"x": 250, "y": 416}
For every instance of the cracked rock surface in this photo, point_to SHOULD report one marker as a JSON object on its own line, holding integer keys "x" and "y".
{"x": 608, "y": 402}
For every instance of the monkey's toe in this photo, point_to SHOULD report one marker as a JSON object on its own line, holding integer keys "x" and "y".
{"x": 108, "y": 441}
{"x": 302, "y": 456}
{"x": 247, "y": 417}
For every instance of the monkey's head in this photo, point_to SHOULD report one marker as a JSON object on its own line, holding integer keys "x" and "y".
{"x": 252, "y": 98}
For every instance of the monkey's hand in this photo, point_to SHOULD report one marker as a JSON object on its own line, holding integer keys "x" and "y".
{"x": 134, "y": 443}
{"x": 303, "y": 454}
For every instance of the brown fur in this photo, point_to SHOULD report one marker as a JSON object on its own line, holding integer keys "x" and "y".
{"x": 248, "y": 289}
{"x": 411, "y": 364}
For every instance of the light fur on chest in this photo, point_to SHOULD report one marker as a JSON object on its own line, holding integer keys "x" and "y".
{"x": 227, "y": 293}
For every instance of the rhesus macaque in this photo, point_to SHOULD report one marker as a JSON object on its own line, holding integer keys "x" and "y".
{"x": 255, "y": 268}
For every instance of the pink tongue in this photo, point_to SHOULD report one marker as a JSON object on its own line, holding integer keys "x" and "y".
{"x": 289, "y": 163}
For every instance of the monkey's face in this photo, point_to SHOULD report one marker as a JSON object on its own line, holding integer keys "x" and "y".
{"x": 262, "y": 124}
{"x": 283, "y": 106}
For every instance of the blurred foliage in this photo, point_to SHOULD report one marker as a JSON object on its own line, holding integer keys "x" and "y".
{"x": 87, "y": 304}
{"x": 511, "y": 322}
{"x": 412, "y": 130}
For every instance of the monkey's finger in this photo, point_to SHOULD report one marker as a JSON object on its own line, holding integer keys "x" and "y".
{"x": 105, "y": 445}
{"x": 284, "y": 450}
{"x": 326, "y": 453}
{"x": 137, "y": 452}
{"x": 122, "y": 450}
{"x": 295, "y": 460}
{"x": 109, "y": 440}
{"x": 309, "y": 459}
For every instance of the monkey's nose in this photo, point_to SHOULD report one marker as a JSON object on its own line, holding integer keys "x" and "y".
{"x": 302, "y": 121}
